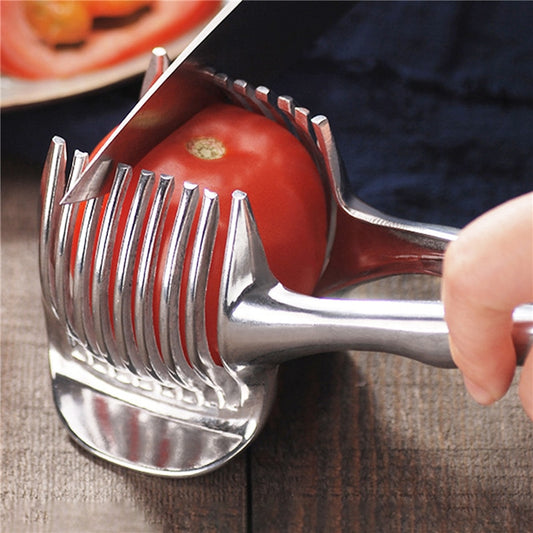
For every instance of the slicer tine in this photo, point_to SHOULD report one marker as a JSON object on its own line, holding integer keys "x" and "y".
{"x": 159, "y": 62}
{"x": 303, "y": 122}
{"x": 282, "y": 110}
{"x": 296, "y": 119}
{"x": 227, "y": 389}
{"x": 246, "y": 92}
{"x": 144, "y": 287}
{"x": 63, "y": 249}
{"x": 169, "y": 334}
{"x": 195, "y": 331}
{"x": 326, "y": 145}
{"x": 104, "y": 338}
{"x": 302, "y": 118}
{"x": 286, "y": 106}
{"x": 81, "y": 302}
{"x": 54, "y": 185}
{"x": 241, "y": 93}
{"x": 226, "y": 84}
{"x": 305, "y": 133}
{"x": 264, "y": 95}
{"x": 122, "y": 294}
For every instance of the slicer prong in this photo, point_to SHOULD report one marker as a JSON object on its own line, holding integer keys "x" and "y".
{"x": 286, "y": 105}
{"x": 144, "y": 287}
{"x": 102, "y": 313}
{"x": 122, "y": 300}
{"x": 68, "y": 215}
{"x": 169, "y": 333}
{"x": 54, "y": 185}
{"x": 82, "y": 271}
{"x": 196, "y": 338}
{"x": 159, "y": 62}
{"x": 264, "y": 95}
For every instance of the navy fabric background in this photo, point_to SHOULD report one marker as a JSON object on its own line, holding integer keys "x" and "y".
{"x": 431, "y": 105}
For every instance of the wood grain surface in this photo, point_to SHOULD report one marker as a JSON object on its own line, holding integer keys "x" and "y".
{"x": 356, "y": 442}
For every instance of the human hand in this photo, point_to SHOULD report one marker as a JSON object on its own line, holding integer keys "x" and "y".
{"x": 488, "y": 271}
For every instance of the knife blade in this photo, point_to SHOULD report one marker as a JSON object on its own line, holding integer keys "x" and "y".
{"x": 246, "y": 39}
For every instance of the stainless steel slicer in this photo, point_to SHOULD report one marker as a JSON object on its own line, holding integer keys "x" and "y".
{"x": 143, "y": 404}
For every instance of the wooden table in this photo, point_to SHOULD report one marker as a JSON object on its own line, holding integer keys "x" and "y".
{"x": 355, "y": 442}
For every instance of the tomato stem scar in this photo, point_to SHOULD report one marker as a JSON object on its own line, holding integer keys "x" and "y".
{"x": 206, "y": 148}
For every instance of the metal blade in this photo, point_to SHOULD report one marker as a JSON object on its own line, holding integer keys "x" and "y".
{"x": 246, "y": 39}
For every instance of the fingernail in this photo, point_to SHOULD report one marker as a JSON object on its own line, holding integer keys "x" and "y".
{"x": 479, "y": 394}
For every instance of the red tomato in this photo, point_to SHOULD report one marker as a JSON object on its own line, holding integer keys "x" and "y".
{"x": 23, "y": 54}
{"x": 224, "y": 148}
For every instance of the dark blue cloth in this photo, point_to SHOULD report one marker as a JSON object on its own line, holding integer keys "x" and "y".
{"x": 431, "y": 105}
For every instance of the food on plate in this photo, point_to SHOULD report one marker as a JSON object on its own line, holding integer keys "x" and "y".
{"x": 223, "y": 148}
{"x": 64, "y": 22}
{"x": 57, "y": 23}
{"x": 61, "y": 38}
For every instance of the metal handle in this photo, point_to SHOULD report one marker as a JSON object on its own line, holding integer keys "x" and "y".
{"x": 373, "y": 247}
{"x": 297, "y": 325}
{"x": 260, "y": 322}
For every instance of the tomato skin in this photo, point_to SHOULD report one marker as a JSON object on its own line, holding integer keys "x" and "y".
{"x": 272, "y": 167}
{"x": 284, "y": 187}
{"x": 24, "y": 55}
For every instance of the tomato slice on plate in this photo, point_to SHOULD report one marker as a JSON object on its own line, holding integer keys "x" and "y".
{"x": 23, "y": 54}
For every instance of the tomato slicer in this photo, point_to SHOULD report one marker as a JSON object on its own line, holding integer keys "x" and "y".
{"x": 143, "y": 404}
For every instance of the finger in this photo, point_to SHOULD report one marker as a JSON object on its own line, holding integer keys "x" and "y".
{"x": 526, "y": 385}
{"x": 487, "y": 273}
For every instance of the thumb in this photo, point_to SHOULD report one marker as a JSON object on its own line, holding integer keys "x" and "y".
{"x": 488, "y": 271}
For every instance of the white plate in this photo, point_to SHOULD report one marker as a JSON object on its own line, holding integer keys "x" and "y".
{"x": 18, "y": 92}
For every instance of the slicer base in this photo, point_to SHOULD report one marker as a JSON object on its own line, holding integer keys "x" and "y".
{"x": 172, "y": 441}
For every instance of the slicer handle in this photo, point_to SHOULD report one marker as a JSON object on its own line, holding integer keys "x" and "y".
{"x": 260, "y": 322}
{"x": 298, "y": 325}
{"x": 414, "y": 329}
